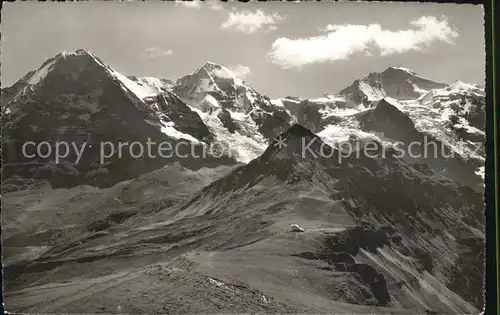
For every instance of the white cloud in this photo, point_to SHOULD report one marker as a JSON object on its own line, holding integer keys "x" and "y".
{"x": 342, "y": 41}
{"x": 250, "y": 22}
{"x": 240, "y": 71}
{"x": 195, "y": 4}
{"x": 155, "y": 52}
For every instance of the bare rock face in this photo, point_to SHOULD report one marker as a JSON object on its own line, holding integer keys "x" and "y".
{"x": 395, "y": 82}
{"x": 375, "y": 192}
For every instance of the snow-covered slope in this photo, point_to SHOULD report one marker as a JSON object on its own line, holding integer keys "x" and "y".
{"x": 155, "y": 85}
{"x": 237, "y": 116}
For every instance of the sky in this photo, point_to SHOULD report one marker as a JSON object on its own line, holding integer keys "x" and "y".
{"x": 304, "y": 49}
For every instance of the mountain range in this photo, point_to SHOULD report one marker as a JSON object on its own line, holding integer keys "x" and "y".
{"x": 390, "y": 233}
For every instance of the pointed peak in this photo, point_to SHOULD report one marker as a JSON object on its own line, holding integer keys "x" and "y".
{"x": 384, "y": 103}
{"x": 76, "y": 52}
{"x": 217, "y": 69}
{"x": 209, "y": 66}
{"x": 68, "y": 59}
{"x": 290, "y": 145}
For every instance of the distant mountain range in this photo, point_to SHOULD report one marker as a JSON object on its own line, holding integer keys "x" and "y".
{"x": 382, "y": 234}
{"x": 78, "y": 95}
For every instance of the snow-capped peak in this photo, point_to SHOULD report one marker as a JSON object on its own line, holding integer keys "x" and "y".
{"x": 50, "y": 64}
{"x": 216, "y": 79}
{"x": 402, "y": 73}
{"x": 212, "y": 64}
{"x": 77, "y": 52}
{"x": 459, "y": 86}
{"x": 409, "y": 71}
{"x": 396, "y": 82}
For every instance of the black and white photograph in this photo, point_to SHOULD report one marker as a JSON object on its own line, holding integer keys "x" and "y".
{"x": 210, "y": 157}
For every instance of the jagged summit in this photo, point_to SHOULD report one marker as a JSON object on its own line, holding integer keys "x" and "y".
{"x": 61, "y": 69}
{"x": 397, "y": 68}
{"x": 292, "y": 143}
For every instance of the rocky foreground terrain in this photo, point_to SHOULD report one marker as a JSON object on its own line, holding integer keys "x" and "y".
{"x": 389, "y": 233}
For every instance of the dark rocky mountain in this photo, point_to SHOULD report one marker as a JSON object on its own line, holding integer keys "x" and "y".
{"x": 387, "y": 120}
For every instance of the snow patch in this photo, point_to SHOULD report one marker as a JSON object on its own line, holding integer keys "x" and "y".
{"x": 41, "y": 73}
{"x": 405, "y": 70}
{"x": 155, "y": 84}
{"x": 461, "y": 86}
{"x": 168, "y": 129}
{"x": 371, "y": 93}
{"x": 243, "y": 145}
